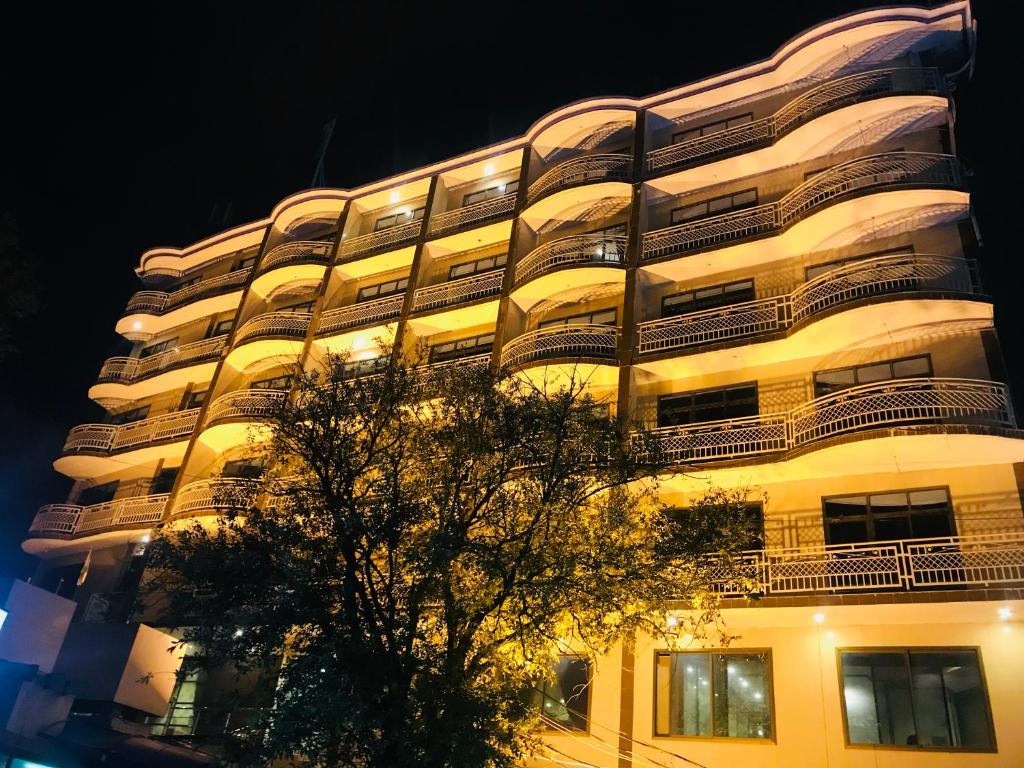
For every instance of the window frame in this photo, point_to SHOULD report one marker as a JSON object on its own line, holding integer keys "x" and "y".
{"x": 700, "y": 128}
{"x": 504, "y": 186}
{"x": 411, "y": 214}
{"x": 868, "y": 518}
{"x": 397, "y": 290}
{"x": 708, "y": 213}
{"x": 891, "y": 362}
{"x": 693, "y": 393}
{"x": 722, "y": 292}
{"x": 907, "y": 250}
{"x": 563, "y": 322}
{"x": 477, "y": 270}
{"x": 906, "y": 650}
{"x": 216, "y": 330}
{"x": 431, "y": 358}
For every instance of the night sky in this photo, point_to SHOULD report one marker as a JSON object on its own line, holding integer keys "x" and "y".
{"x": 158, "y": 127}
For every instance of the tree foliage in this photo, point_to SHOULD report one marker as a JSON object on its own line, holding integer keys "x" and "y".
{"x": 417, "y": 553}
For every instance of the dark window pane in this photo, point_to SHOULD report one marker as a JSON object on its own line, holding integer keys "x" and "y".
{"x": 846, "y": 506}
{"x": 851, "y": 532}
{"x": 949, "y": 700}
{"x": 876, "y": 691}
{"x": 890, "y": 528}
{"x": 566, "y": 699}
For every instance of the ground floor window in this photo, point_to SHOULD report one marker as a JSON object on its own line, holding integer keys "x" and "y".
{"x": 722, "y": 693}
{"x": 564, "y": 702}
{"x": 929, "y": 699}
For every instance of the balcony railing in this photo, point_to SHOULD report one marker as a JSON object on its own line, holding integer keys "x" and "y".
{"x": 129, "y": 369}
{"x": 112, "y": 438}
{"x": 472, "y": 215}
{"x": 864, "y": 175}
{"x": 579, "y": 250}
{"x": 895, "y": 403}
{"x": 564, "y": 341}
{"x": 617, "y": 167}
{"x": 70, "y": 520}
{"x": 289, "y": 325}
{"x": 880, "y": 276}
{"x": 379, "y": 241}
{"x": 158, "y": 302}
{"x": 458, "y": 291}
{"x": 246, "y": 404}
{"x": 825, "y": 98}
{"x": 301, "y": 252}
{"x": 215, "y": 495}
{"x": 365, "y": 313}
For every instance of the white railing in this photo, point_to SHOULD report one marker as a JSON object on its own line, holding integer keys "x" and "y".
{"x": 477, "y": 213}
{"x": 894, "y": 403}
{"x": 215, "y": 495}
{"x": 110, "y": 438}
{"x": 379, "y": 241}
{"x": 458, "y": 291}
{"x": 313, "y": 251}
{"x": 569, "y": 341}
{"x": 246, "y": 404}
{"x": 157, "y": 302}
{"x": 879, "y": 276}
{"x": 827, "y": 97}
{"x": 129, "y": 369}
{"x": 854, "y": 177}
{"x": 616, "y": 167}
{"x": 291, "y": 325}
{"x": 365, "y": 313}
{"x": 577, "y": 250}
{"x": 469, "y": 361}
{"x": 74, "y": 520}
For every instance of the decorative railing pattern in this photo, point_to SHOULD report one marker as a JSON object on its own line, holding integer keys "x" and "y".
{"x": 291, "y": 325}
{"x": 827, "y": 97}
{"x": 246, "y": 404}
{"x": 130, "y": 369}
{"x": 73, "y": 520}
{"x": 215, "y": 495}
{"x": 458, "y": 291}
{"x": 582, "y": 169}
{"x": 562, "y": 341}
{"x": 365, "y": 313}
{"x": 477, "y": 213}
{"x": 379, "y": 241}
{"x": 578, "y": 250}
{"x": 309, "y": 251}
{"x": 879, "y": 276}
{"x": 111, "y": 438}
{"x": 861, "y": 176}
{"x": 894, "y": 403}
{"x": 158, "y": 302}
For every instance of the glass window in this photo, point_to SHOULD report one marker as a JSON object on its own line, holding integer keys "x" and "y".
{"x": 304, "y": 307}
{"x": 601, "y": 317}
{"x": 827, "y": 382}
{"x": 194, "y": 399}
{"x": 709, "y": 128}
{"x": 453, "y": 350}
{"x": 707, "y": 298}
{"x": 242, "y": 468}
{"x": 716, "y": 205}
{"x": 156, "y": 349}
{"x": 97, "y": 494}
{"x": 221, "y": 327}
{"x": 921, "y": 514}
{"x": 723, "y": 693}
{"x": 478, "y": 266}
{"x": 275, "y": 382}
{"x": 708, "y": 405}
{"x": 929, "y": 699}
{"x": 565, "y": 702}
{"x": 245, "y": 261}
{"x": 129, "y": 416}
{"x": 163, "y": 481}
{"x": 819, "y": 269}
{"x": 380, "y": 290}
{"x": 490, "y": 193}
{"x": 354, "y": 369}
{"x": 397, "y": 219}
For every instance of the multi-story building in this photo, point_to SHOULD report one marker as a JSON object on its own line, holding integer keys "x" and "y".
{"x": 775, "y": 268}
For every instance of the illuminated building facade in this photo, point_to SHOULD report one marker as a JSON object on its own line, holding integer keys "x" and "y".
{"x": 775, "y": 268}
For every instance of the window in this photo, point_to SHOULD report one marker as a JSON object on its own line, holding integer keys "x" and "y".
{"x": 490, "y": 193}
{"x": 194, "y": 399}
{"x": 128, "y": 417}
{"x": 97, "y": 494}
{"x": 725, "y": 694}
{"x": 453, "y": 350}
{"x": 564, "y": 702}
{"x": 715, "y": 206}
{"x": 221, "y": 327}
{"x": 354, "y": 369}
{"x": 827, "y": 382}
{"x": 246, "y": 259}
{"x": 156, "y": 349}
{"x": 601, "y": 317}
{"x": 708, "y": 128}
{"x": 888, "y": 516}
{"x": 685, "y": 519}
{"x": 181, "y": 716}
{"x": 397, "y": 219}
{"x": 707, "y": 298}
{"x": 478, "y": 266}
{"x": 379, "y": 291}
{"x": 928, "y": 699}
{"x": 275, "y": 382}
{"x": 304, "y": 307}
{"x": 243, "y": 468}
{"x": 163, "y": 481}
{"x": 819, "y": 269}
{"x": 708, "y": 405}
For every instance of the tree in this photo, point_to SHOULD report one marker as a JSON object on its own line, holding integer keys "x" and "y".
{"x": 418, "y": 552}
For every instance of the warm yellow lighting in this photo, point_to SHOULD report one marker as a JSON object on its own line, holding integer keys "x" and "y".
{"x": 819, "y": 618}
{"x": 1005, "y": 614}
{"x": 394, "y": 197}
{"x": 137, "y": 325}
{"x": 489, "y": 169}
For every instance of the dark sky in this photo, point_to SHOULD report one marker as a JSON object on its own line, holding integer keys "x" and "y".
{"x": 127, "y": 130}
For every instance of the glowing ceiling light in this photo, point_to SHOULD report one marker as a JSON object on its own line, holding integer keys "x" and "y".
{"x": 671, "y": 621}
{"x": 137, "y": 325}
{"x": 819, "y": 618}
{"x": 394, "y": 196}
{"x": 145, "y": 539}
{"x": 489, "y": 169}
{"x": 1005, "y": 614}
{"x": 239, "y": 632}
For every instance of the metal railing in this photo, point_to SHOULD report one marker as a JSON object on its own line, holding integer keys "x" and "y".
{"x": 567, "y": 341}
{"x": 216, "y": 494}
{"x": 302, "y": 251}
{"x": 893, "y": 403}
{"x": 246, "y": 404}
{"x": 577, "y": 250}
{"x": 73, "y": 520}
{"x": 129, "y": 369}
{"x": 477, "y": 213}
{"x": 458, "y": 291}
{"x": 879, "y": 276}
{"x": 617, "y": 167}
{"x": 379, "y": 241}
{"x": 825, "y": 98}
{"x": 864, "y": 175}
{"x": 158, "y": 302}
{"x": 290, "y": 325}
{"x": 365, "y": 313}
{"x": 111, "y": 438}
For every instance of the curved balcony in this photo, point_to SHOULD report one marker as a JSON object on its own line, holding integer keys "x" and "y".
{"x": 825, "y": 98}
{"x": 458, "y": 291}
{"x": 70, "y": 521}
{"x": 158, "y": 302}
{"x": 286, "y": 325}
{"x": 888, "y": 404}
{"x": 299, "y": 252}
{"x": 384, "y": 240}
{"x": 562, "y": 342}
{"x": 125, "y": 370}
{"x": 896, "y": 276}
{"x": 215, "y": 496}
{"x": 581, "y": 170}
{"x": 246, "y": 405}
{"x": 862, "y": 176}
{"x": 576, "y": 251}
{"x": 473, "y": 215}
{"x": 364, "y": 313}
